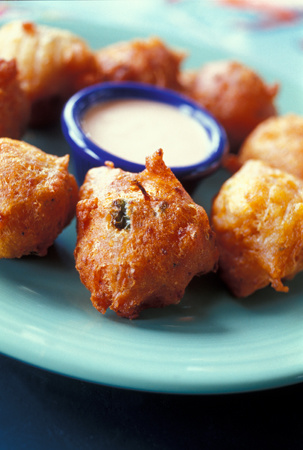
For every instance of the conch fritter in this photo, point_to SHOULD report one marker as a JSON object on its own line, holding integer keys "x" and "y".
{"x": 141, "y": 238}
{"x": 278, "y": 141}
{"x": 52, "y": 65}
{"x": 37, "y": 198}
{"x": 14, "y": 105}
{"x": 258, "y": 220}
{"x": 235, "y": 94}
{"x": 141, "y": 60}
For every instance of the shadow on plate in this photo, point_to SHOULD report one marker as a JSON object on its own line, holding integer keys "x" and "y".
{"x": 266, "y": 299}
{"x": 51, "y": 279}
{"x": 196, "y": 312}
{"x": 208, "y": 308}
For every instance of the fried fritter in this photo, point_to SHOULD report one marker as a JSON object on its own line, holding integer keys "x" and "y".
{"x": 235, "y": 94}
{"x": 14, "y": 105}
{"x": 52, "y": 65}
{"x": 141, "y": 238}
{"x": 37, "y": 198}
{"x": 141, "y": 60}
{"x": 278, "y": 141}
{"x": 258, "y": 220}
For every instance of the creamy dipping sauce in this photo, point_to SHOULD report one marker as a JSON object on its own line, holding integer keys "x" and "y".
{"x": 133, "y": 129}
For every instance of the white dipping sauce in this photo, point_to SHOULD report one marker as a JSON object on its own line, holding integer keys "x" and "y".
{"x": 134, "y": 129}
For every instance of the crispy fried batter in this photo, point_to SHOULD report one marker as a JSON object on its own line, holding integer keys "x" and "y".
{"x": 14, "y": 105}
{"x": 141, "y": 60}
{"x": 235, "y": 94}
{"x": 258, "y": 220}
{"x": 141, "y": 238}
{"x": 278, "y": 141}
{"x": 52, "y": 64}
{"x": 37, "y": 198}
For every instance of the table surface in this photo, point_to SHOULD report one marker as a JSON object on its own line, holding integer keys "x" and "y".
{"x": 40, "y": 409}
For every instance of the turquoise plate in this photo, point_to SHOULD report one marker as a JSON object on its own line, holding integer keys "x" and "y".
{"x": 209, "y": 343}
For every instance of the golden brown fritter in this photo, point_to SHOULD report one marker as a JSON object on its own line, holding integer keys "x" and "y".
{"x": 52, "y": 65}
{"x": 141, "y": 60}
{"x": 37, "y": 198}
{"x": 258, "y": 220}
{"x": 14, "y": 105}
{"x": 141, "y": 238}
{"x": 278, "y": 141}
{"x": 235, "y": 94}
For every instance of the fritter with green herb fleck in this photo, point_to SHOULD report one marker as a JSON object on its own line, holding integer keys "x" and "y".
{"x": 141, "y": 238}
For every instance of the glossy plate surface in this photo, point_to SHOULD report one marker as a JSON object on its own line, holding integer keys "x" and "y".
{"x": 210, "y": 343}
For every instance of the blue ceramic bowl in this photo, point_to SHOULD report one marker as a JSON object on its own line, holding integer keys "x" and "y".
{"x": 87, "y": 154}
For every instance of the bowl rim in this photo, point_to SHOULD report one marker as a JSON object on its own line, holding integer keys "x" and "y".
{"x": 81, "y": 101}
